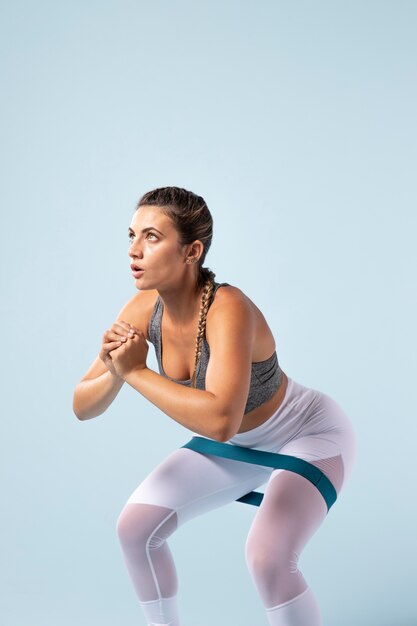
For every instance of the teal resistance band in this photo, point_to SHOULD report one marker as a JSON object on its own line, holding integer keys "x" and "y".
{"x": 269, "y": 459}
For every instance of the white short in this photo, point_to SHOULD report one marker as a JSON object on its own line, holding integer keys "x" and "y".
{"x": 305, "y": 413}
{"x": 308, "y": 424}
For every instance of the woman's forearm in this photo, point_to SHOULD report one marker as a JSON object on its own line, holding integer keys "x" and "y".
{"x": 196, "y": 409}
{"x": 93, "y": 396}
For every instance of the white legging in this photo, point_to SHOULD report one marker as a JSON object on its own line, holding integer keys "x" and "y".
{"x": 309, "y": 425}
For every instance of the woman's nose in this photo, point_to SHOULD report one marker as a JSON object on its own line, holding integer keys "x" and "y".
{"x": 134, "y": 250}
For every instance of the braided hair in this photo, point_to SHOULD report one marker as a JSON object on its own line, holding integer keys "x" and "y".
{"x": 192, "y": 219}
{"x": 204, "y": 307}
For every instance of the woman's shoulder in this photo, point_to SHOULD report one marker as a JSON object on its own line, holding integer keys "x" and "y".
{"x": 227, "y": 291}
{"x": 232, "y": 301}
{"x": 227, "y": 296}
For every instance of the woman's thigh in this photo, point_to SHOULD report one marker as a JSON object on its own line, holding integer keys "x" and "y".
{"x": 326, "y": 440}
{"x": 309, "y": 425}
{"x": 192, "y": 483}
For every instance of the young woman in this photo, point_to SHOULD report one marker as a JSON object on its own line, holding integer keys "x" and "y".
{"x": 220, "y": 378}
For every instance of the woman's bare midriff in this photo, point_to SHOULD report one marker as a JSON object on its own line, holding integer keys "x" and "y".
{"x": 262, "y": 413}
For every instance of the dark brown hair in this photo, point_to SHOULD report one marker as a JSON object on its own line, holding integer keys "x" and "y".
{"x": 192, "y": 219}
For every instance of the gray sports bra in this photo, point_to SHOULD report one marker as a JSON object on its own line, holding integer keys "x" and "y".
{"x": 265, "y": 378}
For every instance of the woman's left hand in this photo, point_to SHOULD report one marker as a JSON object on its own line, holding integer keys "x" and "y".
{"x": 130, "y": 355}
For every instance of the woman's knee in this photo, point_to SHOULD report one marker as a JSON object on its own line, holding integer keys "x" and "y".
{"x": 265, "y": 560}
{"x": 141, "y": 523}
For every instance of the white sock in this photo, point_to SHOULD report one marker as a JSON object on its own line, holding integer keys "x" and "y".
{"x": 162, "y": 612}
{"x": 303, "y": 610}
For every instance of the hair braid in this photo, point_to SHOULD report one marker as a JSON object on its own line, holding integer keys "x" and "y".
{"x": 205, "y": 304}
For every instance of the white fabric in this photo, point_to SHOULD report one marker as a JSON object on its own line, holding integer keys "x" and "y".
{"x": 162, "y": 612}
{"x": 303, "y": 610}
{"x": 308, "y": 424}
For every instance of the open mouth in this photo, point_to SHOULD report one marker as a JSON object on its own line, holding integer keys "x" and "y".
{"x": 137, "y": 273}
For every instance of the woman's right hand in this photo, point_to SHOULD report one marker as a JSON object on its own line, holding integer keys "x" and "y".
{"x": 119, "y": 333}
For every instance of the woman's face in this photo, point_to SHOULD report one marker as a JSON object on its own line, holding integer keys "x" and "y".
{"x": 154, "y": 247}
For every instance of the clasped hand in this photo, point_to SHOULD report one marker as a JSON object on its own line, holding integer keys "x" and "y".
{"x": 124, "y": 349}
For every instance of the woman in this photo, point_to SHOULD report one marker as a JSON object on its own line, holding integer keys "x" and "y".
{"x": 220, "y": 378}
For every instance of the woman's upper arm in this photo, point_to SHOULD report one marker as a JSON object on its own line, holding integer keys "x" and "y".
{"x": 230, "y": 335}
{"x": 137, "y": 312}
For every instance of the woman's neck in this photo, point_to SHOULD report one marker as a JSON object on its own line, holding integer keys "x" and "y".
{"x": 181, "y": 307}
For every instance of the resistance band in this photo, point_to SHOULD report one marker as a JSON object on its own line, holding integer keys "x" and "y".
{"x": 269, "y": 459}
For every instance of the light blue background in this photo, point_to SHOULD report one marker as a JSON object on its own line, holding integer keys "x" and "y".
{"x": 296, "y": 122}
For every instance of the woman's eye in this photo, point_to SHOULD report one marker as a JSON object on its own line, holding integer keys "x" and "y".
{"x": 131, "y": 236}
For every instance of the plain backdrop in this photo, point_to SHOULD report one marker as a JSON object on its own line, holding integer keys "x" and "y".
{"x": 296, "y": 121}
